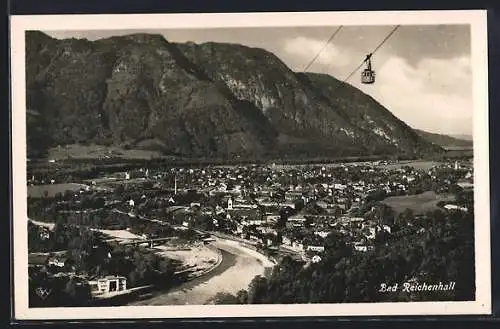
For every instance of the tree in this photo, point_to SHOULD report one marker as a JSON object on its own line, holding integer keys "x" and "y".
{"x": 257, "y": 290}
{"x": 68, "y": 194}
{"x": 383, "y": 214}
{"x": 242, "y": 297}
{"x": 314, "y": 209}
{"x": 98, "y": 203}
{"x": 334, "y": 242}
{"x": 119, "y": 191}
{"x": 407, "y": 216}
{"x": 70, "y": 288}
{"x": 225, "y": 298}
{"x": 382, "y": 237}
{"x": 299, "y": 204}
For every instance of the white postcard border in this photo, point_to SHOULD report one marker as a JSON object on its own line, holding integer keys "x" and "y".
{"x": 477, "y": 20}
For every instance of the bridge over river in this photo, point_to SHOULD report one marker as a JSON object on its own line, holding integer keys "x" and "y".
{"x": 238, "y": 267}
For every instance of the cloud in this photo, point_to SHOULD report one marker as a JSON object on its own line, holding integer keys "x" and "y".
{"x": 451, "y": 75}
{"x": 434, "y": 95}
{"x": 307, "y": 48}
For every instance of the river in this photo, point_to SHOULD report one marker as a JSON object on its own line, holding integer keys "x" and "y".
{"x": 238, "y": 267}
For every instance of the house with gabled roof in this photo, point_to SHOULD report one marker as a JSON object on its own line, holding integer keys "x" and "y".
{"x": 297, "y": 220}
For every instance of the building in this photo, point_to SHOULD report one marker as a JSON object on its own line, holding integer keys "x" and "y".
{"x": 58, "y": 262}
{"x": 268, "y": 203}
{"x": 286, "y": 241}
{"x": 454, "y": 207}
{"x": 356, "y": 219}
{"x": 44, "y": 234}
{"x": 108, "y": 284}
{"x": 325, "y": 205}
{"x": 359, "y": 246}
{"x": 297, "y": 246}
{"x": 270, "y": 217}
{"x": 339, "y": 186}
{"x": 296, "y": 220}
{"x": 316, "y": 248}
{"x": 322, "y": 234}
{"x": 387, "y": 228}
{"x": 267, "y": 230}
{"x": 468, "y": 186}
{"x": 255, "y": 221}
{"x": 195, "y": 205}
{"x": 316, "y": 259}
{"x": 292, "y": 196}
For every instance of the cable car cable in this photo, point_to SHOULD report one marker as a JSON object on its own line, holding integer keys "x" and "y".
{"x": 322, "y": 49}
{"x": 385, "y": 39}
{"x": 373, "y": 52}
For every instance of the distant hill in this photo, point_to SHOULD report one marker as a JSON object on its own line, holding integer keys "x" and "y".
{"x": 446, "y": 141}
{"x": 463, "y": 137}
{"x": 210, "y": 100}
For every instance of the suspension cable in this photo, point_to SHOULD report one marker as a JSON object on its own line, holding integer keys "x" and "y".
{"x": 322, "y": 49}
{"x": 373, "y": 52}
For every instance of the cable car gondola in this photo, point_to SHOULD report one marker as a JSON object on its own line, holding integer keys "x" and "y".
{"x": 368, "y": 75}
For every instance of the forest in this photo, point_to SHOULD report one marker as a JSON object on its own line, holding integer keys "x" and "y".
{"x": 437, "y": 247}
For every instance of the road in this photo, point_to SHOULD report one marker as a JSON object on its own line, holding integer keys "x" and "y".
{"x": 239, "y": 266}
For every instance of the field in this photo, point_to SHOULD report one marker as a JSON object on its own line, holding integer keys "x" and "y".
{"x": 418, "y": 203}
{"x": 418, "y": 165}
{"x": 76, "y": 151}
{"x": 37, "y": 191}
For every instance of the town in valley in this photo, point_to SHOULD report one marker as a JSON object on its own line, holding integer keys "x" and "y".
{"x": 263, "y": 165}
{"x": 132, "y": 236}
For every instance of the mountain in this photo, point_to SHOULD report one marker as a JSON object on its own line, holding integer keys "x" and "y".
{"x": 445, "y": 141}
{"x": 199, "y": 100}
{"x": 462, "y": 137}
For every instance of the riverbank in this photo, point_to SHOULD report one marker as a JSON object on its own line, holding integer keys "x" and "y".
{"x": 237, "y": 269}
{"x": 196, "y": 258}
{"x": 222, "y": 266}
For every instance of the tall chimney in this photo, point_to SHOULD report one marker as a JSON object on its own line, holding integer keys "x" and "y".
{"x": 175, "y": 185}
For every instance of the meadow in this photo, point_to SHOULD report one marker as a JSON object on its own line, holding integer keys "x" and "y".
{"x": 419, "y": 203}
{"x": 38, "y": 191}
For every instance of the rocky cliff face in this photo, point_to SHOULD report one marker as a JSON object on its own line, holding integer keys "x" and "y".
{"x": 211, "y": 100}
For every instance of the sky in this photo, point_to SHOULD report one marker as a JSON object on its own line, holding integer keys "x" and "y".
{"x": 423, "y": 72}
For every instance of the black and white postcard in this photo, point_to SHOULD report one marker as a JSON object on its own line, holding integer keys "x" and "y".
{"x": 250, "y": 165}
